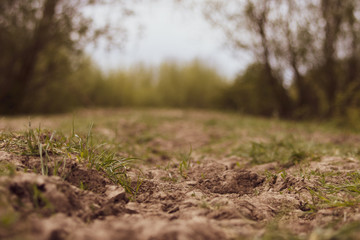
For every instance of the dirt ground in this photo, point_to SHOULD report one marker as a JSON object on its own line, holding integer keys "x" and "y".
{"x": 195, "y": 182}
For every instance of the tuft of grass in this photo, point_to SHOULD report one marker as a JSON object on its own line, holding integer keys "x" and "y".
{"x": 343, "y": 193}
{"x": 55, "y": 149}
{"x": 287, "y": 151}
{"x": 185, "y": 162}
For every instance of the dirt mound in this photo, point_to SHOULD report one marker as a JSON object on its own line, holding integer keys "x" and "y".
{"x": 89, "y": 179}
{"x": 232, "y": 181}
{"x": 69, "y": 169}
{"x": 29, "y": 193}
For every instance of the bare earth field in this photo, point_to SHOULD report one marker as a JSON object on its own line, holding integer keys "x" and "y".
{"x": 176, "y": 174}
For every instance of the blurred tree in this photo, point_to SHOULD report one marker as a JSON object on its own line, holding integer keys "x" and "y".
{"x": 204, "y": 85}
{"x": 248, "y": 25}
{"x": 309, "y": 49}
{"x": 171, "y": 86}
{"x": 248, "y": 92}
{"x": 258, "y": 18}
{"x": 40, "y": 42}
{"x": 193, "y": 85}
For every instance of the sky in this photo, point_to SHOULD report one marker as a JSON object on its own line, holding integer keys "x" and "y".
{"x": 168, "y": 32}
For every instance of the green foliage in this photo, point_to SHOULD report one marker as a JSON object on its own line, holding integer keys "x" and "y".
{"x": 287, "y": 151}
{"x": 42, "y": 46}
{"x": 185, "y": 161}
{"x": 52, "y": 146}
{"x": 344, "y": 193}
{"x": 306, "y": 56}
{"x": 37, "y": 48}
{"x": 193, "y": 85}
{"x": 251, "y": 93}
{"x": 132, "y": 87}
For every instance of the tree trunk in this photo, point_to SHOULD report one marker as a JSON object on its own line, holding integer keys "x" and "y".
{"x": 283, "y": 100}
{"x": 352, "y": 81}
{"x": 15, "y": 88}
{"x": 333, "y": 21}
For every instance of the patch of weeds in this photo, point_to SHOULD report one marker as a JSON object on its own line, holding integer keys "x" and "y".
{"x": 7, "y": 142}
{"x": 287, "y": 151}
{"x": 44, "y": 144}
{"x": 98, "y": 156}
{"x": 54, "y": 148}
{"x": 7, "y": 169}
{"x": 271, "y": 177}
{"x": 136, "y": 189}
{"x": 185, "y": 161}
{"x": 115, "y": 167}
{"x": 344, "y": 193}
{"x": 59, "y": 168}
{"x": 283, "y": 174}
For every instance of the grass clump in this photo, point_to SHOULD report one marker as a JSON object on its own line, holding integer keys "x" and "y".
{"x": 185, "y": 161}
{"x": 343, "y": 193}
{"x": 287, "y": 151}
{"x": 56, "y": 150}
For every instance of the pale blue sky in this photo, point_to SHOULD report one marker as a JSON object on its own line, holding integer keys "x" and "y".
{"x": 169, "y": 32}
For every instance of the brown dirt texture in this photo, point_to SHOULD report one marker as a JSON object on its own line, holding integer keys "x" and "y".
{"x": 194, "y": 185}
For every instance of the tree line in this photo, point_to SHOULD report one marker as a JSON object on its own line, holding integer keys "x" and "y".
{"x": 306, "y": 53}
{"x": 42, "y": 46}
{"x": 306, "y": 60}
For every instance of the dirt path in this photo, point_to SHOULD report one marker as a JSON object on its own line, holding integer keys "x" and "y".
{"x": 194, "y": 185}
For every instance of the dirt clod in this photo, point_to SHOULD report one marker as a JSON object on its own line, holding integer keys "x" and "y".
{"x": 233, "y": 181}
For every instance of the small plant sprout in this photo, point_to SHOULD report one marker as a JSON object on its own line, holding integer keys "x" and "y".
{"x": 185, "y": 161}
